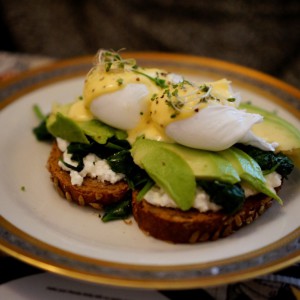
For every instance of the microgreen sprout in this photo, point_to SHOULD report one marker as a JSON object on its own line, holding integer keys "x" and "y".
{"x": 158, "y": 81}
{"x": 179, "y": 99}
{"x": 111, "y": 60}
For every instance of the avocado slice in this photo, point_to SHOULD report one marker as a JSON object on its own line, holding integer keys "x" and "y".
{"x": 59, "y": 124}
{"x": 100, "y": 132}
{"x": 249, "y": 170}
{"x": 275, "y": 129}
{"x": 205, "y": 165}
{"x": 168, "y": 170}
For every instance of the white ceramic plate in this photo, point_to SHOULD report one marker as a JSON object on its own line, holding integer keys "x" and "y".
{"x": 41, "y": 228}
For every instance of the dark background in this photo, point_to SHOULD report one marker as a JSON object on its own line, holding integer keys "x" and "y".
{"x": 263, "y": 34}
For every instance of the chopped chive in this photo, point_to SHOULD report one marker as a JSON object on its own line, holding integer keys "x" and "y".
{"x": 158, "y": 81}
{"x": 153, "y": 97}
{"x": 231, "y": 99}
{"x": 120, "y": 81}
{"x": 204, "y": 88}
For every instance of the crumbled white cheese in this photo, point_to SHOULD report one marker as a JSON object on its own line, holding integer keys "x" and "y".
{"x": 203, "y": 203}
{"x": 62, "y": 144}
{"x": 273, "y": 180}
{"x": 76, "y": 178}
{"x": 248, "y": 189}
{"x": 157, "y": 196}
{"x": 94, "y": 167}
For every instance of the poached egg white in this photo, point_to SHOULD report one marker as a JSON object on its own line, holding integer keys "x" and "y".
{"x": 166, "y": 107}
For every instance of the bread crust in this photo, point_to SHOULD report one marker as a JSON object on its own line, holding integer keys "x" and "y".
{"x": 92, "y": 192}
{"x": 176, "y": 226}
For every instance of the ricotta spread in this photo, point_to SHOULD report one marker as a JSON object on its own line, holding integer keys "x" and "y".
{"x": 157, "y": 196}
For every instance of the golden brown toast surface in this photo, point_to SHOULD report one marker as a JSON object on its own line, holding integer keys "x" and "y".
{"x": 191, "y": 226}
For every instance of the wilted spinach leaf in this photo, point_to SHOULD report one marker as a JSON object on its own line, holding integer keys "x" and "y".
{"x": 117, "y": 211}
{"x": 269, "y": 160}
{"x": 230, "y": 197}
{"x": 41, "y": 132}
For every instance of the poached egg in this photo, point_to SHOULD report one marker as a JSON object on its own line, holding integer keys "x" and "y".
{"x": 165, "y": 107}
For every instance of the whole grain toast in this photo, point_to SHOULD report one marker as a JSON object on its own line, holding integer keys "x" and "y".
{"x": 92, "y": 192}
{"x": 174, "y": 225}
{"x": 168, "y": 224}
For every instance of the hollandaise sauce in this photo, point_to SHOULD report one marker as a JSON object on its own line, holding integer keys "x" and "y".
{"x": 163, "y": 106}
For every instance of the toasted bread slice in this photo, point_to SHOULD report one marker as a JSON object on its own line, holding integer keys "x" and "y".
{"x": 92, "y": 192}
{"x": 191, "y": 226}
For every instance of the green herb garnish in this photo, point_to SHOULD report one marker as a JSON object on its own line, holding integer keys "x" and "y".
{"x": 204, "y": 88}
{"x": 154, "y": 96}
{"x": 231, "y": 99}
{"x": 158, "y": 81}
{"x": 120, "y": 81}
{"x": 230, "y": 196}
{"x": 112, "y": 60}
